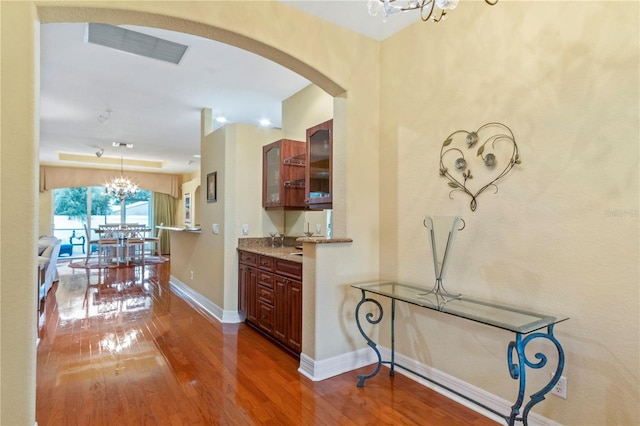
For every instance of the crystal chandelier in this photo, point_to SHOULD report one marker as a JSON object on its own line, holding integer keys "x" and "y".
{"x": 121, "y": 187}
{"x": 434, "y": 10}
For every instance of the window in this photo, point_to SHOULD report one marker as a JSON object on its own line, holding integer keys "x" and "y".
{"x": 70, "y": 207}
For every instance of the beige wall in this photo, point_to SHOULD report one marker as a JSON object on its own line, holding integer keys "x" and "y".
{"x": 561, "y": 235}
{"x": 235, "y": 152}
{"x": 563, "y": 75}
{"x": 45, "y": 213}
{"x": 305, "y": 109}
{"x": 191, "y": 187}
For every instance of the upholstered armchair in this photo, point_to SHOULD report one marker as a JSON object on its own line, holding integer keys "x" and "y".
{"x": 47, "y": 260}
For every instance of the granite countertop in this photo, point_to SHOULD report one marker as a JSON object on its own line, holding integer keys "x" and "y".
{"x": 263, "y": 246}
{"x": 279, "y": 252}
{"x": 323, "y": 240}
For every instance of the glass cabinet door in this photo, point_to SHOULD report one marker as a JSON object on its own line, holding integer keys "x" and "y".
{"x": 283, "y": 165}
{"x": 318, "y": 182}
{"x": 271, "y": 176}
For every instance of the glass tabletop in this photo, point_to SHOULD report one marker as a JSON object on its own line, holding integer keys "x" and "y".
{"x": 497, "y": 315}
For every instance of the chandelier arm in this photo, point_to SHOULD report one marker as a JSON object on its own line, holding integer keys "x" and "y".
{"x": 443, "y": 14}
{"x": 424, "y": 4}
{"x": 429, "y": 5}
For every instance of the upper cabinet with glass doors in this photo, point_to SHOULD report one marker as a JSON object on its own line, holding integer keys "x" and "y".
{"x": 283, "y": 166}
{"x": 319, "y": 170}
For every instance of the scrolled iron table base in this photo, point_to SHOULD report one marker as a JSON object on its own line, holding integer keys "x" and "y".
{"x": 516, "y": 357}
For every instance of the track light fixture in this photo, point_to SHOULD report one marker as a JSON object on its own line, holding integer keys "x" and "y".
{"x": 99, "y": 152}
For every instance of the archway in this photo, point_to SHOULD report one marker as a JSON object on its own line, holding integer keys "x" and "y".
{"x": 57, "y": 14}
{"x": 333, "y": 59}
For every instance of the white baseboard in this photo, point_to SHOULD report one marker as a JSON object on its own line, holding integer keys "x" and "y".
{"x": 324, "y": 369}
{"x": 203, "y": 303}
{"x": 321, "y": 370}
{"x": 488, "y": 399}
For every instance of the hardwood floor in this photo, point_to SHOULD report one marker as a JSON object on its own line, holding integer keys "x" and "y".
{"x": 125, "y": 350}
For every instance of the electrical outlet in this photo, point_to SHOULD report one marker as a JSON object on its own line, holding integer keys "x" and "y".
{"x": 191, "y": 274}
{"x": 560, "y": 388}
{"x": 215, "y": 228}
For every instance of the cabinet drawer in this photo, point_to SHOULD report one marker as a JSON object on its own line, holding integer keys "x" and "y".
{"x": 265, "y": 294}
{"x": 248, "y": 258}
{"x": 265, "y": 279}
{"x": 266, "y": 263}
{"x": 288, "y": 269}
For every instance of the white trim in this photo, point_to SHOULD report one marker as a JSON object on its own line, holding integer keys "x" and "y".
{"x": 203, "y": 303}
{"x": 326, "y": 368}
{"x": 486, "y": 398}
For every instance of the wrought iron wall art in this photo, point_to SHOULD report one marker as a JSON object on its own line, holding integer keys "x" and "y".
{"x": 496, "y": 153}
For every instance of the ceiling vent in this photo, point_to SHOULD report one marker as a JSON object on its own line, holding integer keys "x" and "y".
{"x": 135, "y": 42}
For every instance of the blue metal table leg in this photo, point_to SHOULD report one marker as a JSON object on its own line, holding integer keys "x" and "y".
{"x": 371, "y": 319}
{"x": 518, "y": 372}
{"x": 393, "y": 337}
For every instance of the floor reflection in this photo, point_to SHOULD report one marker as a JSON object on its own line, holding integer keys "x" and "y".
{"x": 119, "y": 348}
{"x": 103, "y": 297}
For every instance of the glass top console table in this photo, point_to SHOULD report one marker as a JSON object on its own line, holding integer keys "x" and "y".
{"x": 527, "y": 326}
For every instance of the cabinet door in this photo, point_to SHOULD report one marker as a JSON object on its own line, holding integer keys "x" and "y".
{"x": 283, "y": 174}
{"x": 319, "y": 170}
{"x": 271, "y": 178}
{"x": 252, "y": 295}
{"x": 294, "y": 334}
{"x": 282, "y": 309}
{"x": 242, "y": 289}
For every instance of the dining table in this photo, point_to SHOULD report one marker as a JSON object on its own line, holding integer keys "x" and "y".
{"x": 120, "y": 237}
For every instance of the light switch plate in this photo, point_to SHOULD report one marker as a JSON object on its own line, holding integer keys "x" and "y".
{"x": 215, "y": 228}
{"x": 245, "y": 229}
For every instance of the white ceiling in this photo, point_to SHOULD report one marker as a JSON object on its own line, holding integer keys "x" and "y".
{"x": 156, "y": 105}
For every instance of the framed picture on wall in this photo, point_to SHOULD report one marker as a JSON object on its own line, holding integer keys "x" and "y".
{"x": 187, "y": 207}
{"x": 212, "y": 187}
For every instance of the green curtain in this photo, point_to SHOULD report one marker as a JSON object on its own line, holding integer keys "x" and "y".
{"x": 164, "y": 212}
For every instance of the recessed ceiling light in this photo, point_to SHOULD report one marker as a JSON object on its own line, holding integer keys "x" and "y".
{"x": 221, "y": 120}
{"x": 264, "y": 122}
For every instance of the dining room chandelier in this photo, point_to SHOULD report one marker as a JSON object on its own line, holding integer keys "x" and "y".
{"x": 121, "y": 187}
{"x": 430, "y": 10}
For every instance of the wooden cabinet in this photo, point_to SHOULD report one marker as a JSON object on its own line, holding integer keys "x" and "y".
{"x": 270, "y": 296}
{"x": 289, "y": 313}
{"x": 319, "y": 169}
{"x": 248, "y": 285}
{"x": 283, "y": 175}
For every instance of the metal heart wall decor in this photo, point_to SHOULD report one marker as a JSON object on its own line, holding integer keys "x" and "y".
{"x": 493, "y": 151}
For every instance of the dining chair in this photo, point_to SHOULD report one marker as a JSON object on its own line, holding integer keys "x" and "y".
{"x": 156, "y": 243}
{"x": 108, "y": 240}
{"x": 90, "y": 243}
{"x": 136, "y": 240}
